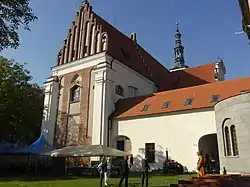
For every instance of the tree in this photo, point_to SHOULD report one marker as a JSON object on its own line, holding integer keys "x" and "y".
{"x": 21, "y": 103}
{"x": 13, "y": 15}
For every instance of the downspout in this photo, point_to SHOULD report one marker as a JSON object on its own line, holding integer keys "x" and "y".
{"x": 110, "y": 116}
{"x": 109, "y": 127}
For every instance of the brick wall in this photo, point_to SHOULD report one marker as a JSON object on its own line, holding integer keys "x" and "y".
{"x": 84, "y": 102}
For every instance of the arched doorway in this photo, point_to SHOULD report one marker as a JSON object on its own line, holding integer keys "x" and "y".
{"x": 208, "y": 145}
{"x": 122, "y": 143}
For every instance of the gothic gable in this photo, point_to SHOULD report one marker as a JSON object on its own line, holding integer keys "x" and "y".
{"x": 86, "y": 37}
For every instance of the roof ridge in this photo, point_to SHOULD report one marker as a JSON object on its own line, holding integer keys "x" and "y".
{"x": 202, "y": 85}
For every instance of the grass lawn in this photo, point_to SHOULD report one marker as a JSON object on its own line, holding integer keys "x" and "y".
{"x": 155, "y": 181}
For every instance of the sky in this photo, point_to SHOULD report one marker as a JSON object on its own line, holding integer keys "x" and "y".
{"x": 208, "y": 29}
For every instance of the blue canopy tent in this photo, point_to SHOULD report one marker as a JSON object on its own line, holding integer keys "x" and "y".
{"x": 40, "y": 146}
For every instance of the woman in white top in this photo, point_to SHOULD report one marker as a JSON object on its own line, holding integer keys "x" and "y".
{"x": 107, "y": 172}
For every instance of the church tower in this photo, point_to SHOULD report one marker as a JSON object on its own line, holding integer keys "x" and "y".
{"x": 179, "y": 62}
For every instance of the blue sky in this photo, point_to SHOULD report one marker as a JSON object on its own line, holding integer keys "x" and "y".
{"x": 208, "y": 29}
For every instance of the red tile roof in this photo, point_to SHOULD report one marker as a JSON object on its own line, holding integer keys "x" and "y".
{"x": 201, "y": 95}
{"x": 130, "y": 53}
{"x": 134, "y": 56}
{"x": 193, "y": 76}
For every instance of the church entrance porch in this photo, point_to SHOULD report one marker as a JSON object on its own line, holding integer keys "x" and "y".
{"x": 208, "y": 146}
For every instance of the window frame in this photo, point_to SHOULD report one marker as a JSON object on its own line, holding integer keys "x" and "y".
{"x": 150, "y": 149}
{"x": 235, "y": 148}
{"x": 145, "y": 108}
{"x": 73, "y": 91}
{"x": 166, "y": 104}
{"x": 213, "y": 100}
{"x": 119, "y": 90}
{"x": 189, "y": 101}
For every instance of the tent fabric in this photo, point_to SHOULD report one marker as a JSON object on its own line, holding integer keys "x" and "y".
{"x": 40, "y": 146}
{"x": 87, "y": 151}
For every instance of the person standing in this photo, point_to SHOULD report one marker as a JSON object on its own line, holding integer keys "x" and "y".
{"x": 124, "y": 169}
{"x": 200, "y": 165}
{"x": 144, "y": 172}
{"x": 107, "y": 172}
{"x": 102, "y": 167}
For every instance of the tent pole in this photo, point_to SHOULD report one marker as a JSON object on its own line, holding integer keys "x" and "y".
{"x": 65, "y": 170}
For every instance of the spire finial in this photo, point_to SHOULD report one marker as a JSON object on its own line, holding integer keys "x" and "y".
{"x": 179, "y": 61}
{"x": 177, "y": 26}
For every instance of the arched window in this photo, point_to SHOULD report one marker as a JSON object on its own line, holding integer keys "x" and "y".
{"x": 119, "y": 90}
{"x": 228, "y": 144}
{"x": 234, "y": 141}
{"x": 75, "y": 93}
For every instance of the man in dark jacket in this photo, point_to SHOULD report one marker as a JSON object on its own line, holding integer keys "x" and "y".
{"x": 124, "y": 169}
{"x": 144, "y": 172}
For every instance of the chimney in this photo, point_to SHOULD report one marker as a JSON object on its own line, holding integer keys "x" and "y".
{"x": 133, "y": 36}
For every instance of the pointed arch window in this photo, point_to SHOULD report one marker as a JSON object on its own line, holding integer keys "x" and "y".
{"x": 75, "y": 93}
{"x": 228, "y": 143}
{"x": 234, "y": 140}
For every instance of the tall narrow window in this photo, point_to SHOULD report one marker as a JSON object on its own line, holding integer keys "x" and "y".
{"x": 75, "y": 93}
{"x": 228, "y": 144}
{"x": 150, "y": 152}
{"x": 234, "y": 141}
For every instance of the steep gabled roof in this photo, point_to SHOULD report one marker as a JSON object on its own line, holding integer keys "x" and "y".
{"x": 201, "y": 98}
{"x": 128, "y": 51}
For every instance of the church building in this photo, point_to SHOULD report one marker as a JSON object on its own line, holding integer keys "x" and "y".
{"x": 106, "y": 89}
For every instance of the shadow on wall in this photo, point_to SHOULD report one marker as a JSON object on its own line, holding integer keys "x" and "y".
{"x": 160, "y": 156}
{"x": 68, "y": 133}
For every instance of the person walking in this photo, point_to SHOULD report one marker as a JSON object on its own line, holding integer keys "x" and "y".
{"x": 102, "y": 167}
{"x": 124, "y": 170}
{"x": 200, "y": 165}
{"x": 107, "y": 172}
{"x": 144, "y": 172}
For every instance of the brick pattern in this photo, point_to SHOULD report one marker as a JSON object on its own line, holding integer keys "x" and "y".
{"x": 215, "y": 181}
{"x": 83, "y": 126}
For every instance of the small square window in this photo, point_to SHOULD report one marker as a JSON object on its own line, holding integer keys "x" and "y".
{"x": 145, "y": 108}
{"x": 215, "y": 98}
{"x": 166, "y": 104}
{"x": 188, "y": 102}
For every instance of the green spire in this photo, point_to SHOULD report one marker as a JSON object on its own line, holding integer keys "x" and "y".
{"x": 179, "y": 61}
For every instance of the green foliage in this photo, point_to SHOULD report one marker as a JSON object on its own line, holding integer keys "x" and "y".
{"x": 13, "y": 15}
{"x": 21, "y": 103}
